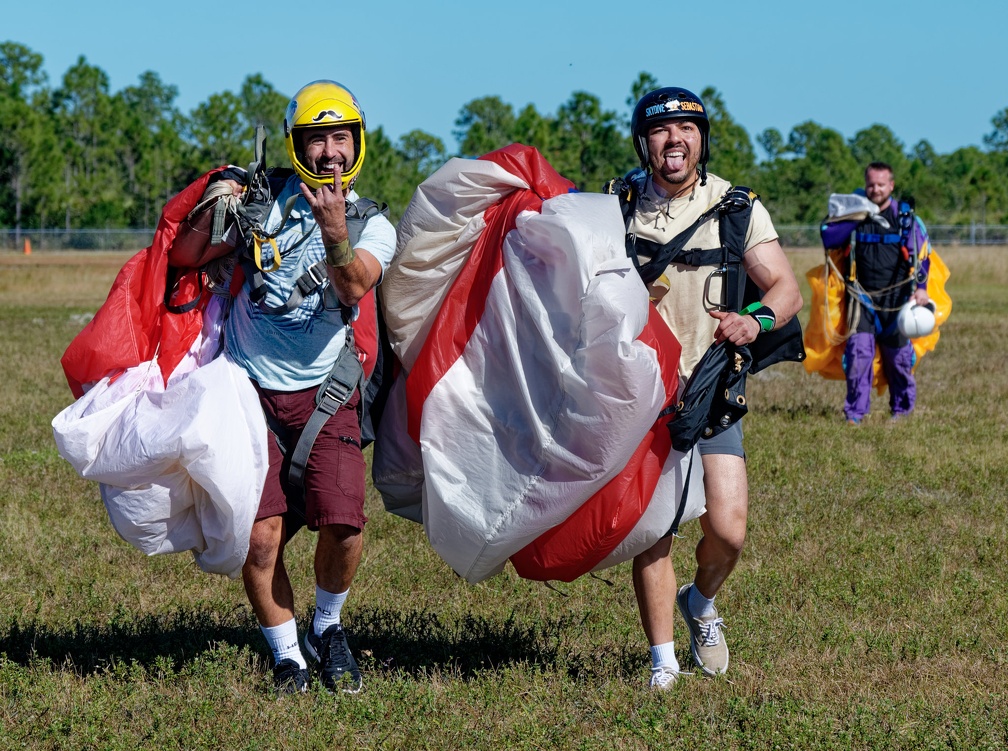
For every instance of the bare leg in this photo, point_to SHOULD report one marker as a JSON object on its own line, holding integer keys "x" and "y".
{"x": 337, "y": 555}
{"x": 265, "y": 577}
{"x": 655, "y": 587}
{"x": 724, "y": 523}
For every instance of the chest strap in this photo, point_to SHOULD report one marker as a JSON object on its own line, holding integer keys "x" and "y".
{"x": 871, "y": 237}
{"x": 315, "y": 276}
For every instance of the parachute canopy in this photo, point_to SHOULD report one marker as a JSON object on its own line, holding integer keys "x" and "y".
{"x": 525, "y": 423}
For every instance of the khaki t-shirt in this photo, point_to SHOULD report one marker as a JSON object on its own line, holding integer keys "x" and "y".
{"x": 684, "y": 295}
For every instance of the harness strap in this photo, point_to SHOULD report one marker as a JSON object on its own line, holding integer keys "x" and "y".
{"x": 257, "y": 231}
{"x": 735, "y": 201}
{"x": 674, "y": 531}
{"x": 734, "y": 221}
{"x": 871, "y": 237}
{"x": 346, "y": 376}
{"x": 309, "y": 282}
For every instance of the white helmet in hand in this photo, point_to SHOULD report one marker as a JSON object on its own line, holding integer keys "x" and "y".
{"x": 915, "y": 320}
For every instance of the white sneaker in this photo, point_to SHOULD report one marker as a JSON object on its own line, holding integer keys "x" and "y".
{"x": 663, "y": 678}
{"x": 707, "y": 643}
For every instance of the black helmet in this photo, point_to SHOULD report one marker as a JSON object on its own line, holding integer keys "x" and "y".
{"x": 669, "y": 103}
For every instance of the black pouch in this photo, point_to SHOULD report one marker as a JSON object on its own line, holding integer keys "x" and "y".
{"x": 714, "y": 397}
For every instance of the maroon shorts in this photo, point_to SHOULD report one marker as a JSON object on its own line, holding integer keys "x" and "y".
{"x": 334, "y": 478}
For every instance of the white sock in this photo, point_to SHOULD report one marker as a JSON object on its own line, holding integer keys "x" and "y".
{"x": 283, "y": 640}
{"x": 663, "y": 656}
{"x": 327, "y": 609}
{"x": 700, "y": 606}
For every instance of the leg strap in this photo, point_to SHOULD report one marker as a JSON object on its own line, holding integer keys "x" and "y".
{"x": 682, "y": 500}
{"x": 345, "y": 377}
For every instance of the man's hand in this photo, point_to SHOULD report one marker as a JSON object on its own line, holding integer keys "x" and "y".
{"x": 191, "y": 247}
{"x": 734, "y": 328}
{"x": 920, "y": 296}
{"x": 328, "y": 206}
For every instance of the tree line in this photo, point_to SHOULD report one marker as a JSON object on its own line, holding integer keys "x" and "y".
{"x": 77, "y": 155}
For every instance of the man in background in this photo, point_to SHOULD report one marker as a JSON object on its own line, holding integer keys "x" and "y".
{"x": 882, "y": 264}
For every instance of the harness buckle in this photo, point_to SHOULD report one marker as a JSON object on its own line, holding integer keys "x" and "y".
{"x": 333, "y": 395}
{"x": 318, "y": 276}
{"x": 721, "y": 271}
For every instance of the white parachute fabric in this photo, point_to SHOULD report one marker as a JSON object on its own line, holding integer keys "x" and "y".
{"x": 536, "y": 406}
{"x": 434, "y": 239}
{"x": 181, "y": 466}
{"x": 849, "y": 206}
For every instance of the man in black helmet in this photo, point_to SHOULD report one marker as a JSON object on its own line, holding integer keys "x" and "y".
{"x": 671, "y": 134}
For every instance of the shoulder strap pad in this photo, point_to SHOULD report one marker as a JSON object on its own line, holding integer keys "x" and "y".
{"x": 739, "y": 198}
{"x": 359, "y": 213}
{"x": 628, "y": 188}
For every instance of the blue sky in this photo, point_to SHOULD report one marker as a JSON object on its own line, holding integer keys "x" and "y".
{"x": 936, "y": 72}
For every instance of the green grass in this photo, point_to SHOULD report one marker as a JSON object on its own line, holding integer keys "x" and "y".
{"x": 868, "y": 611}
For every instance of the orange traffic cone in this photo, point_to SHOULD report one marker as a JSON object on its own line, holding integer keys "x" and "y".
{"x": 27, "y": 247}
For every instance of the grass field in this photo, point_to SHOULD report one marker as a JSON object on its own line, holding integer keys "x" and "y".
{"x": 869, "y": 610}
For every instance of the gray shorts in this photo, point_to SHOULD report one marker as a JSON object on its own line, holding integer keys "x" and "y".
{"x": 728, "y": 442}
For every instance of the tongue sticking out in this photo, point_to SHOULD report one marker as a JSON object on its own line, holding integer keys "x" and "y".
{"x": 674, "y": 162}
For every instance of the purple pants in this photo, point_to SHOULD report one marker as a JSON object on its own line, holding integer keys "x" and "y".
{"x": 897, "y": 365}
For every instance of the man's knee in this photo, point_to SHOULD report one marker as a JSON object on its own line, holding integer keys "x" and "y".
{"x": 724, "y": 525}
{"x": 265, "y": 542}
{"x": 732, "y": 542}
{"x": 338, "y": 535}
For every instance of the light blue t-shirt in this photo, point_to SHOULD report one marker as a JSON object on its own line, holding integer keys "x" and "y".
{"x": 296, "y": 350}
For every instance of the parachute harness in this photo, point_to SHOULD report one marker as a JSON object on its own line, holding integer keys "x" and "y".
{"x": 906, "y": 219}
{"x": 714, "y": 396}
{"x": 247, "y": 213}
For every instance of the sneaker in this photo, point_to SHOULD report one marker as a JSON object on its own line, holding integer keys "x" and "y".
{"x": 336, "y": 664}
{"x": 290, "y": 678}
{"x": 707, "y": 644}
{"x": 663, "y": 678}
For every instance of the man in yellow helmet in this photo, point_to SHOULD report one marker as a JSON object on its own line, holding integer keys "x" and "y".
{"x": 291, "y": 332}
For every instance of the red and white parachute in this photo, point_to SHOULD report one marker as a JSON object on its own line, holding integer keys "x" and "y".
{"x": 173, "y": 434}
{"x": 180, "y": 465}
{"x": 524, "y": 425}
{"x": 172, "y": 431}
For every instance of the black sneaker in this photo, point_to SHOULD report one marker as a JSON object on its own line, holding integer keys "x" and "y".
{"x": 290, "y": 678}
{"x": 338, "y": 667}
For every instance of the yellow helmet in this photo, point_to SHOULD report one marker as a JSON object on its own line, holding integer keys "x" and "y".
{"x": 323, "y": 104}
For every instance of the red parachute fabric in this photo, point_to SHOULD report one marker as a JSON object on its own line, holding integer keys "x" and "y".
{"x": 133, "y": 325}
